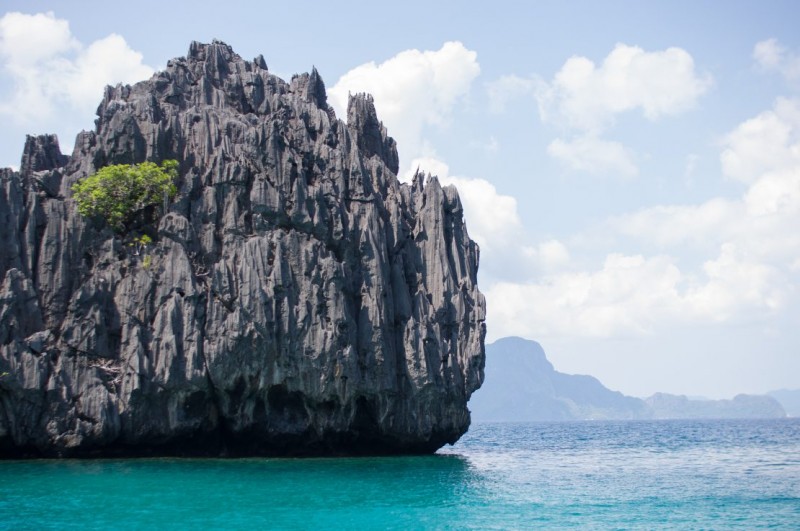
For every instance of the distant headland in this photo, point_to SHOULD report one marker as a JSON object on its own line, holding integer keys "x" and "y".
{"x": 522, "y": 385}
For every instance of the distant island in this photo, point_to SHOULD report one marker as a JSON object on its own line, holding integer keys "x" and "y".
{"x": 522, "y": 385}
{"x": 789, "y": 399}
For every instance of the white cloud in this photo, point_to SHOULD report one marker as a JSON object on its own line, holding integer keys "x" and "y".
{"x": 587, "y": 97}
{"x": 550, "y": 255}
{"x": 770, "y": 55}
{"x": 584, "y": 96}
{"x": 762, "y": 152}
{"x": 750, "y": 245}
{"x": 594, "y": 155}
{"x": 53, "y": 73}
{"x": 508, "y": 88}
{"x": 106, "y": 61}
{"x": 615, "y": 299}
{"x": 27, "y": 39}
{"x": 583, "y": 100}
{"x": 769, "y": 141}
{"x": 412, "y": 90}
{"x": 633, "y": 294}
{"x": 678, "y": 225}
{"x": 735, "y": 283}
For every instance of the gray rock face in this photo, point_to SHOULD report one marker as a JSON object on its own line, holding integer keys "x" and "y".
{"x": 297, "y": 298}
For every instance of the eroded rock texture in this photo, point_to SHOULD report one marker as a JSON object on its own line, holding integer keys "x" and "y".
{"x": 297, "y": 299}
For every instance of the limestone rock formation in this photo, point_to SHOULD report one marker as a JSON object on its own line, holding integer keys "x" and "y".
{"x": 297, "y": 298}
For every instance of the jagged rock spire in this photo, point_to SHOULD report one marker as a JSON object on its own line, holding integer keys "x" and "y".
{"x": 369, "y": 132}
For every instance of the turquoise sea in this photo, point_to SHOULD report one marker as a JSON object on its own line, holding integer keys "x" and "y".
{"x": 595, "y": 475}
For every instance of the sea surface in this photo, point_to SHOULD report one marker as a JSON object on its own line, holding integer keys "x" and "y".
{"x": 590, "y": 475}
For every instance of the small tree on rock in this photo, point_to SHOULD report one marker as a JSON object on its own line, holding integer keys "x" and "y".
{"x": 118, "y": 193}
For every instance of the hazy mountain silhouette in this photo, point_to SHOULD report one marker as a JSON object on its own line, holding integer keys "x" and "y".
{"x": 522, "y": 385}
{"x": 789, "y": 399}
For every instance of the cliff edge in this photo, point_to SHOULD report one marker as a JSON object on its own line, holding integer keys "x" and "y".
{"x": 296, "y": 300}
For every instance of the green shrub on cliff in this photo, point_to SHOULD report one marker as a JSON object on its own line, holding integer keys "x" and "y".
{"x": 119, "y": 192}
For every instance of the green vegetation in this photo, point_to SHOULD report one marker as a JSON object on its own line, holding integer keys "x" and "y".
{"x": 118, "y": 193}
{"x": 140, "y": 243}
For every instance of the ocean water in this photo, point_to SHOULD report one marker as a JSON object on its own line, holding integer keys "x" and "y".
{"x": 589, "y": 475}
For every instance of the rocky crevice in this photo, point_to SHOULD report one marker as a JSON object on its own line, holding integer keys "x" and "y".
{"x": 297, "y": 300}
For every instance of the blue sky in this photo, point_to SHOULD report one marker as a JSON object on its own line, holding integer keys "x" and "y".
{"x": 630, "y": 169}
